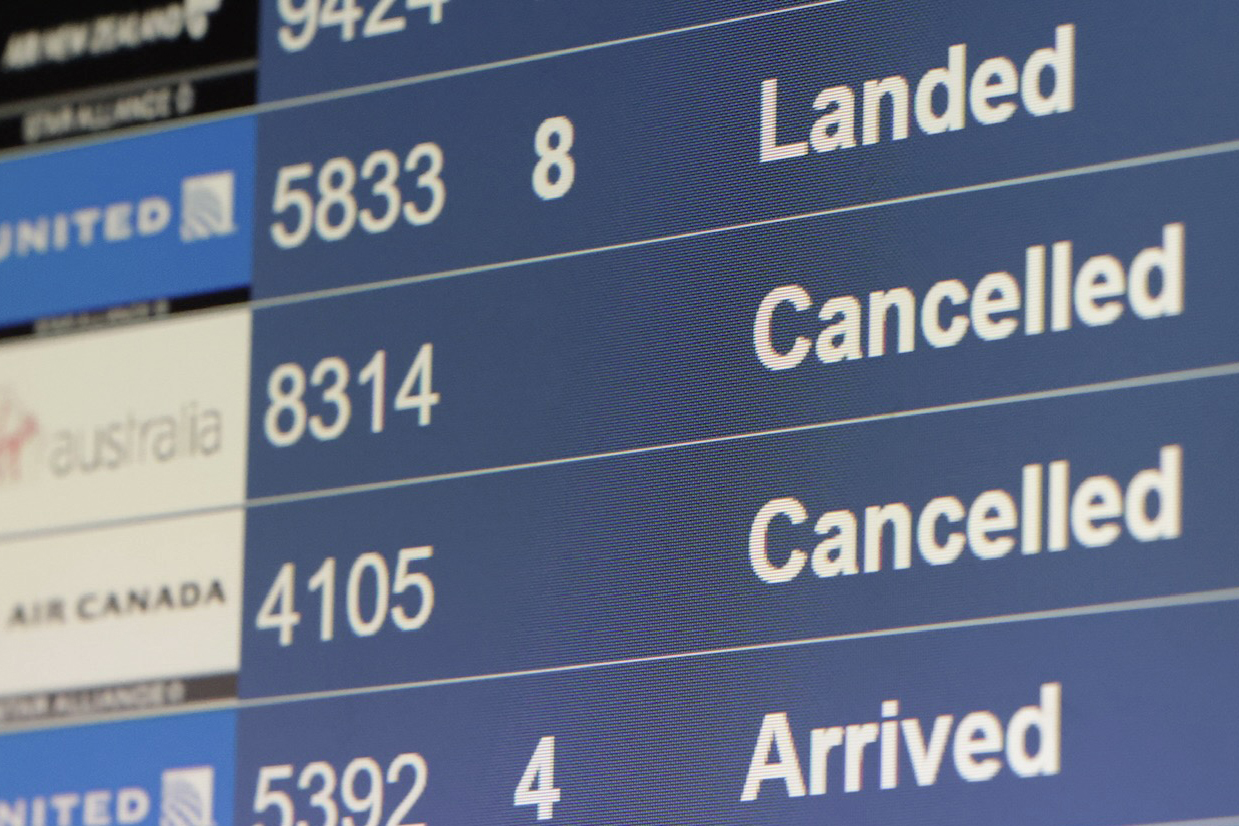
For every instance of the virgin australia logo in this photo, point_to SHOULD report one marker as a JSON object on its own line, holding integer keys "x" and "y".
{"x": 17, "y": 428}
{"x": 208, "y": 205}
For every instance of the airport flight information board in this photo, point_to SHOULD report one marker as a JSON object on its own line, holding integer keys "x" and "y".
{"x": 418, "y": 412}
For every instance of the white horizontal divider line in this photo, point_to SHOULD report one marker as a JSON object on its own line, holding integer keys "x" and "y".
{"x": 1135, "y": 162}
{"x": 1219, "y": 595}
{"x": 1133, "y": 383}
{"x": 1175, "y": 377}
{"x": 503, "y": 63}
{"x": 386, "y": 85}
{"x": 1208, "y": 821}
{"x": 116, "y": 522}
{"x": 1208, "y": 597}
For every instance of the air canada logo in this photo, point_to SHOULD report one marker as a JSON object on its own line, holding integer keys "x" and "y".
{"x": 17, "y": 428}
{"x": 116, "y": 603}
{"x": 187, "y": 797}
{"x": 208, "y": 205}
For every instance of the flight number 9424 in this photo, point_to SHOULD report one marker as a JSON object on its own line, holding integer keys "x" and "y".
{"x": 304, "y": 21}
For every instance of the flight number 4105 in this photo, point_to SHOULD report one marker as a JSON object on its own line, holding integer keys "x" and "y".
{"x": 304, "y": 20}
{"x": 413, "y": 590}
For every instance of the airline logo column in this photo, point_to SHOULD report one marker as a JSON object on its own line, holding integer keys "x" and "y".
{"x": 123, "y": 445}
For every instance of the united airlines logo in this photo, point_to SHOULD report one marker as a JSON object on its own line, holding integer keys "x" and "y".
{"x": 187, "y": 797}
{"x": 17, "y": 428}
{"x": 207, "y": 207}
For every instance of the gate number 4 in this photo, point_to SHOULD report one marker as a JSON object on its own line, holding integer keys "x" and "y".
{"x": 537, "y": 786}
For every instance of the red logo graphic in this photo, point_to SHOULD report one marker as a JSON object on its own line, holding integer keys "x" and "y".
{"x": 17, "y": 428}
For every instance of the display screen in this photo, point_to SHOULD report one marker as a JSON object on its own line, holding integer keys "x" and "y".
{"x": 507, "y": 412}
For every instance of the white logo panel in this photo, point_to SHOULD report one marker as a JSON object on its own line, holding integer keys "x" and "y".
{"x": 126, "y": 422}
{"x": 155, "y": 600}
